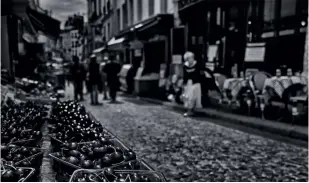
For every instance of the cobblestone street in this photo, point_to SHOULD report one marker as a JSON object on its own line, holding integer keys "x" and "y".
{"x": 186, "y": 149}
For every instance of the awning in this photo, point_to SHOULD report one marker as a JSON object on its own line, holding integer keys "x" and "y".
{"x": 159, "y": 24}
{"x": 57, "y": 59}
{"x": 99, "y": 49}
{"x": 115, "y": 41}
{"x": 28, "y": 38}
{"x": 44, "y": 23}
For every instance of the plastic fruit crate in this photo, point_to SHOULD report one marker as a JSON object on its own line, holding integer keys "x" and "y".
{"x": 58, "y": 144}
{"x": 28, "y": 173}
{"x": 153, "y": 176}
{"x": 138, "y": 164}
{"x": 64, "y": 168}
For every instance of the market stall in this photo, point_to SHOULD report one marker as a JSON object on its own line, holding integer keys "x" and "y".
{"x": 78, "y": 146}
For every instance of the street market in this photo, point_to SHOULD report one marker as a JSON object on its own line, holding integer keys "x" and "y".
{"x": 154, "y": 91}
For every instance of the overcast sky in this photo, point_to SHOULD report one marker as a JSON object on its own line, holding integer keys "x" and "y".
{"x": 61, "y": 9}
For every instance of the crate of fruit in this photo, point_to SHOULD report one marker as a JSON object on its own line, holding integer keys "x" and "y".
{"x": 138, "y": 164}
{"x": 94, "y": 155}
{"x": 22, "y": 155}
{"x": 111, "y": 175}
{"x": 16, "y": 174}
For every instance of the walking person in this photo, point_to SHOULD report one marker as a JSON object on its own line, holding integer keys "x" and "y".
{"x": 103, "y": 79}
{"x": 112, "y": 69}
{"x": 94, "y": 80}
{"x": 192, "y": 80}
{"x": 78, "y": 74}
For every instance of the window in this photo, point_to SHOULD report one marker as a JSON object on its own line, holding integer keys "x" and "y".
{"x": 108, "y": 31}
{"x": 269, "y": 14}
{"x": 151, "y": 7}
{"x": 118, "y": 19}
{"x": 100, "y": 5}
{"x": 163, "y": 6}
{"x": 108, "y": 4}
{"x": 124, "y": 15}
{"x": 288, "y": 19}
{"x": 140, "y": 9}
{"x": 132, "y": 11}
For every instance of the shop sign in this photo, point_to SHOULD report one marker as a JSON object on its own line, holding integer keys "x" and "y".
{"x": 212, "y": 52}
{"x": 255, "y": 54}
{"x": 177, "y": 59}
{"x": 138, "y": 53}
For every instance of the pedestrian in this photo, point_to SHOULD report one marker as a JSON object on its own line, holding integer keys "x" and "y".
{"x": 94, "y": 80}
{"x": 78, "y": 74}
{"x": 192, "y": 79}
{"x": 112, "y": 69}
{"x": 103, "y": 79}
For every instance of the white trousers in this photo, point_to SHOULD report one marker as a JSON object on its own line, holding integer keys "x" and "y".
{"x": 193, "y": 95}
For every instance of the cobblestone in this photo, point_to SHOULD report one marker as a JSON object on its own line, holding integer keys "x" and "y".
{"x": 186, "y": 149}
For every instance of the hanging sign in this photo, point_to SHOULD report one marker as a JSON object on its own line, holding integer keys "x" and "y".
{"x": 177, "y": 59}
{"x": 255, "y": 53}
{"x": 138, "y": 52}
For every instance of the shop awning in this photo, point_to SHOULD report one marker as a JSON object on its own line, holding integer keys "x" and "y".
{"x": 44, "y": 23}
{"x": 159, "y": 24}
{"x": 114, "y": 41}
{"x": 99, "y": 49}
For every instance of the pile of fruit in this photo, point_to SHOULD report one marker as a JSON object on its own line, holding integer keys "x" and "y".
{"x": 21, "y": 139}
{"x": 15, "y": 174}
{"x": 21, "y": 123}
{"x": 20, "y": 155}
{"x": 82, "y": 143}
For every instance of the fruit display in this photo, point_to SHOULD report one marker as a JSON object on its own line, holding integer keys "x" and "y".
{"x": 21, "y": 122}
{"x": 94, "y": 155}
{"x": 21, "y": 155}
{"x": 112, "y": 175}
{"x": 70, "y": 123}
{"x": 15, "y": 174}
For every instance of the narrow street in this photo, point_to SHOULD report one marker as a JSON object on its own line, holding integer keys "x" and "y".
{"x": 187, "y": 149}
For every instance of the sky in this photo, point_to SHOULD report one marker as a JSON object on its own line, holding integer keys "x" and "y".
{"x": 61, "y": 9}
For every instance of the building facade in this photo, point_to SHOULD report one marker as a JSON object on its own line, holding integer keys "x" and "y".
{"x": 279, "y": 25}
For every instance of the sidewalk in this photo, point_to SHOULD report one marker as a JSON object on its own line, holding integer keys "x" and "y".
{"x": 273, "y": 127}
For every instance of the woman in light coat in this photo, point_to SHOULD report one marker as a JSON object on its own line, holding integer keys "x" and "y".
{"x": 192, "y": 82}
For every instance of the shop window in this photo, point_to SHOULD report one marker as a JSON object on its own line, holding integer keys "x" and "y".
{"x": 269, "y": 14}
{"x": 288, "y": 20}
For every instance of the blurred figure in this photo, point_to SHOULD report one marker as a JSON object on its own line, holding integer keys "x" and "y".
{"x": 192, "y": 81}
{"x": 112, "y": 69}
{"x": 103, "y": 79}
{"x": 78, "y": 74}
{"x": 289, "y": 72}
{"x": 94, "y": 80}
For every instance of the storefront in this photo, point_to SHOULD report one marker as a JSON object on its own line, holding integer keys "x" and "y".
{"x": 148, "y": 50}
{"x": 232, "y": 25}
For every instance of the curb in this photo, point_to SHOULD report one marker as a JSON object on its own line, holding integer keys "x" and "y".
{"x": 273, "y": 127}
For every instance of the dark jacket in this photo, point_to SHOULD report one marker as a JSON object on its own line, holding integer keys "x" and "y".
{"x": 78, "y": 72}
{"x": 192, "y": 72}
{"x": 94, "y": 73}
{"x": 112, "y": 70}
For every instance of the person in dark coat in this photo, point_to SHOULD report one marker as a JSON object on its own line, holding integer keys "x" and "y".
{"x": 112, "y": 69}
{"x": 78, "y": 74}
{"x": 94, "y": 80}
